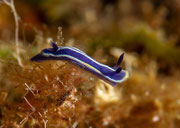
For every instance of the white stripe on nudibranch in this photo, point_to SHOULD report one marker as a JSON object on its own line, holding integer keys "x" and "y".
{"x": 72, "y": 58}
{"x": 80, "y": 52}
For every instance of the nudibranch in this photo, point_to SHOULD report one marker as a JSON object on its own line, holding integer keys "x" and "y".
{"x": 112, "y": 75}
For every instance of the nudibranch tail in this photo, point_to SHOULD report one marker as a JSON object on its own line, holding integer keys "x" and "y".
{"x": 55, "y": 47}
{"x": 112, "y": 75}
{"x": 39, "y": 58}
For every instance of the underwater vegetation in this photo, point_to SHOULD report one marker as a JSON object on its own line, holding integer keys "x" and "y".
{"x": 59, "y": 94}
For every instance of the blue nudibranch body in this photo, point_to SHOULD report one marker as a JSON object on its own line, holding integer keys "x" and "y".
{"x": 112, "y": 75}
